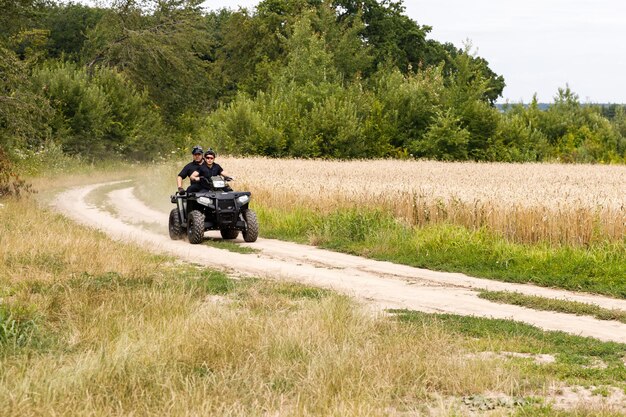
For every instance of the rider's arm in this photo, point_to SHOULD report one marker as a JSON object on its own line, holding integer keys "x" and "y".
{"x": 194, "y": 177}
{"x": 181, "y": 176}
{"x": 221, "y": 171}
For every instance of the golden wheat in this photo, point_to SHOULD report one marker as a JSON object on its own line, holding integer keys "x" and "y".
{"x": 574, "y": 204}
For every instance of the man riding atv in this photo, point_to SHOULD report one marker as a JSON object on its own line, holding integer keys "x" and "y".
{"x": 208, "y": 170}
{"x": 210, "y": 204}
{"x": 189, "y": 169}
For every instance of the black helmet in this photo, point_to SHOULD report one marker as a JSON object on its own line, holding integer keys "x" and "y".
{"x": 197, "y": 150}
{"x": 210, "y": 152}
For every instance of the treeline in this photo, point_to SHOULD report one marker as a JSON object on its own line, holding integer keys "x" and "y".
{"x": 304, "y": 78}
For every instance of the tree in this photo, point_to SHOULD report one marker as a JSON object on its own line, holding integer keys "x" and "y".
{"x": 248, "y": 50}
{"x": 446, "y": 139}
{"x": 23, "y": 112}
{"x": 308, "y": 60}
{"x": 397, "y": 40}
{"x": 448, "y": 54}
{"x": 394, "y": 38}
{"x": 159, "y": 45}
{"x": 68, "y": 26}
{"x": 465, "y": 94}
{"x": 18, "y": 15}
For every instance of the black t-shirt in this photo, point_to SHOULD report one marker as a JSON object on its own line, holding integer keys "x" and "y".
{"x": 189, "y": 169}
{"x": 213, "y": 170}
{"x": 206, "y": 171}
{"x": 203, "y": 171}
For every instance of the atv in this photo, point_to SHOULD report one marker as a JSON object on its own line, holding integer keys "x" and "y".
{"x": 215, "y": 208}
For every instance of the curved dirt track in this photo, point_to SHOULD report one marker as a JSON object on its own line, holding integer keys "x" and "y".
{"x": 381, "y": 284}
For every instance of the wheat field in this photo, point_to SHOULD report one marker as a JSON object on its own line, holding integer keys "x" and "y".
{"x": 526, "y": 203}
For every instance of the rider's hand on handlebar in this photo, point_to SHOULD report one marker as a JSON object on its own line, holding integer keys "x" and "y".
{"x": 181, "y": 190}
{"x": 227, "y": 178}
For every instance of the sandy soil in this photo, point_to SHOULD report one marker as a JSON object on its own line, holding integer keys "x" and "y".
{"x": 382, "y": 285}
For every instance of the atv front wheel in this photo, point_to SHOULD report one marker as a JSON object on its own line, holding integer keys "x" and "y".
{"x": 195, "y": 228}
{"x": 229, "y": 233}
{"x": 252, "y": 226}
{"x": 176, "y": 229}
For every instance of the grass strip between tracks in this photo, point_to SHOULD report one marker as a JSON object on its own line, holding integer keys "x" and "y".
{"x": 550, "y": 304}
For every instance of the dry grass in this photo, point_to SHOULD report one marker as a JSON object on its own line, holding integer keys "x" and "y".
{"x": 325, "y": 358}
{"x": 121, "y": 335}
{"x": 562, "y": 204}
{"x": 35, "y": 245}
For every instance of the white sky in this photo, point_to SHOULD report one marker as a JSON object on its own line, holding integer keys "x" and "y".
{"x": 537, "y": 45}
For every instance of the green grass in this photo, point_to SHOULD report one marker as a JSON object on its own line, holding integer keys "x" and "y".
{"x": 18, "y": 327}
{"x": 208, "y": 282}
{"x": 228, "y": 245}
{"x": 549, "y": 411}
{"x": 600, "y": 268}
{"x": 190, "y": 279}
{"x": 549, "y": 304}
{"x": 575, "y": 355}
{"x": 296, "y": 291}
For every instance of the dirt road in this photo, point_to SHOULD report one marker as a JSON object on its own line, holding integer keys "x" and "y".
{"x": 381, "y": 284}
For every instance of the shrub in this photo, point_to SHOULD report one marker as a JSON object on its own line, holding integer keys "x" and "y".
{"x": 100, "y": 113}
{"x": 10, "y": 182}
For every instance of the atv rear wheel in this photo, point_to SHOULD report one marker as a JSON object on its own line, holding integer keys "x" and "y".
{"x": 229, "y": 233}
{"x": 176, "y": 228}
{"x": 252, "y": 226}
{"x": 195, "y": 227}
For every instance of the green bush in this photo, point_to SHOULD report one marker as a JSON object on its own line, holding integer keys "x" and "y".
{"x": 242, "y": 129}
{"x": 446, "y": 139}
{"x": 24, "y": 112}
{"x": 410, "y": 103}
{"x": 517, "y": 140}
{"x": 100, "y": 113}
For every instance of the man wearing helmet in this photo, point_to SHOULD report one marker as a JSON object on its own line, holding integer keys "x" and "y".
{"x": 190, "y": 169}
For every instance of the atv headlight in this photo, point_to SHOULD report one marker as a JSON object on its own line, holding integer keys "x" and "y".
{"x": 205, "y": 201}
{"x": 219, "y": 183}
{"x": 243, "y": 199}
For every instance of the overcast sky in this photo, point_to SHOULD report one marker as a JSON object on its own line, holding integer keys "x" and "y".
{"x": 537, "y": 45}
